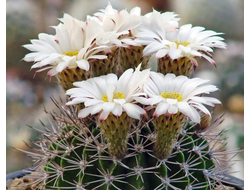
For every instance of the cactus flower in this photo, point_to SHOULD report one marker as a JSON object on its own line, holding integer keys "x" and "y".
{"x": 171, "y": 94}
{"x": 71, "y": 47}
{"x": 108, "y": 94}
{"x": 177, "y": 49}
{"x": 174, "y": 98}
{"x": 111, "y": 98}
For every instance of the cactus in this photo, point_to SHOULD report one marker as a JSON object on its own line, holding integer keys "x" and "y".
{"x": 144, "y": 130}
{"x": 74, "y": 155}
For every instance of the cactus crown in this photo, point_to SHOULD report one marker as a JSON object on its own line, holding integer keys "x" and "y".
{"x": 132, "y": 129}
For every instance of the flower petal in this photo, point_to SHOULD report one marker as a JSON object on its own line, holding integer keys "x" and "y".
{"x": 61, "y": 66}
{"x": 133, "y": 110}
{"x": 175, "y": 53}
{"x": 142, "y": 100}
{"x": 117, "y": 111}
{"x": 91, "y": 102}
{"x": 161, "y": 53}
{"x": 189, "y": 111}
{"x": 83, "y": 64}
{"x": 110, "y": 91}
{"x": 108, "y": 106}
{"x": 103, "y": 115}
{"x": 120, "y": 101}
{"x": 171, "y": 101}
{"x": 84, "y": 112}
{"x": 161, "y": 109}
{"x": 173, "y": 109}
{"x": 96, "y": 108}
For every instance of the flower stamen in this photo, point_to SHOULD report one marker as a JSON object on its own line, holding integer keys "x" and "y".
{"x": 71, "y": 53}
{"x": 184, "y": 43}
{"x": 116, "y": 95}
{"x": 172, "y": 95}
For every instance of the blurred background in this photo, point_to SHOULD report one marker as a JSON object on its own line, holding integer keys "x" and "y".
{"x": 27, "y": 94}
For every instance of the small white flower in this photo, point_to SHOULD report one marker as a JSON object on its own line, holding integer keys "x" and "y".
{"x": 72, "y": 46}
{"x": 117, "y": 26}
{"x": 171, "y": 94}
{"x": 187, "y": 41}
{"x": 106, "y": 94}
{"x": 166, "y": 21}
{"x": 158, "y": 23}
{"x": 155, "y": 25}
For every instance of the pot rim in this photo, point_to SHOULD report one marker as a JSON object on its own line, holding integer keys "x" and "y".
{"x": 19, "y": 173}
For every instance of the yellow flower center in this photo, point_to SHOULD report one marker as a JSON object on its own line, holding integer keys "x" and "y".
{"x": 181, "y": 43}
{"x": 71, "y": 53}
{"x": 116, "y": 95}
{"x": 172, "y": 95}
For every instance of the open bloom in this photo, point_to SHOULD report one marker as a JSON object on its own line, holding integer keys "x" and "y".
{"x": 170, "y": 94}
{"x": 157, "y": 24}
{"x": 72, "y": 46}
{"x": 117, "y": 26}
{"x": 187, "y": 41}
{"x": 108, "y": 94}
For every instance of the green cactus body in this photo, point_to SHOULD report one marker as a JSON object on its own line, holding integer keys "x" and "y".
{"x": 79, "y": 158}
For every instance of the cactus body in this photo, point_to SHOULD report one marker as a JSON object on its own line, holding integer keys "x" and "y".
{"x": 76, "y": 156}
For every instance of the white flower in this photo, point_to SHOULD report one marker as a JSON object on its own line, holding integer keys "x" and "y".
{"x": 117, "y": 26}
{"x": 166, "y": 21}
{"x": 171, "y": 94}
{"x": 72, "y": 46}
{"x": 157, "y": 23}
{"x": 108, "y": 94}
{"x": 187, "y": 41}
